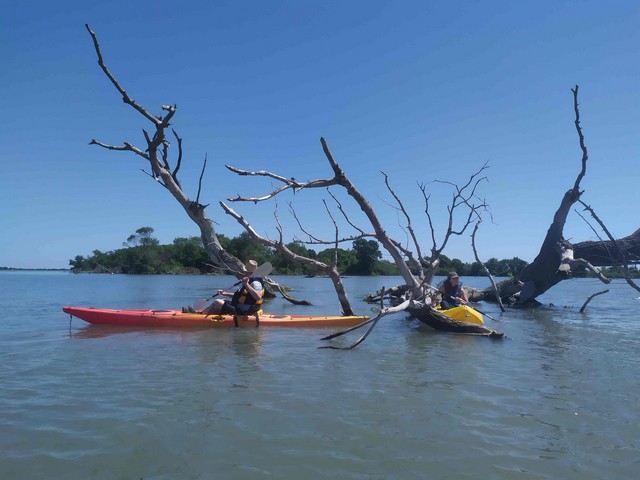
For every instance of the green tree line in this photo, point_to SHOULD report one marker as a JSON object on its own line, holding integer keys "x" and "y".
{"x": 143, "y": 254}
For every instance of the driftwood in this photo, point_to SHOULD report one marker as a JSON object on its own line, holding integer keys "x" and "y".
{"x": 372, "y": 322}
{"x": 591, "y": 297}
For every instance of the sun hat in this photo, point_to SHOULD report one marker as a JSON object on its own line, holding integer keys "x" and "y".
{"x": 452, "y": 275}
{"x": 251, "y": 266}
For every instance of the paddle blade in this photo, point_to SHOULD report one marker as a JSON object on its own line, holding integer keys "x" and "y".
{"x": 263, "y": 270}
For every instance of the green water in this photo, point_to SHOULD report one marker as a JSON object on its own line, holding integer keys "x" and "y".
{"x": 556, "y": 399}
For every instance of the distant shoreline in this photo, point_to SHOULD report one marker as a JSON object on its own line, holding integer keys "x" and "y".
{"x": 15, "y": 269}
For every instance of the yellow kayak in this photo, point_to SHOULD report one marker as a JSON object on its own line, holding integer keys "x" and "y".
{"x": 464, "y": 313}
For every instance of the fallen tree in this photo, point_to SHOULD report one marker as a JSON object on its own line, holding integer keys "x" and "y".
{"x": 558, "y": 259}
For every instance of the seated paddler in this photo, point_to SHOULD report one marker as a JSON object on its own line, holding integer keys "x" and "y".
{"x": 247, "y": 300}
{"x": 453, "y": 295}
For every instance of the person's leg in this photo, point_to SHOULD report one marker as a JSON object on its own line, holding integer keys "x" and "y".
{"x": 227, "y": 308}
{"x": 215, "y": 308}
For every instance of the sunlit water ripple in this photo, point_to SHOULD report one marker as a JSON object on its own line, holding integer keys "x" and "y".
{"x": 556, "y": 399}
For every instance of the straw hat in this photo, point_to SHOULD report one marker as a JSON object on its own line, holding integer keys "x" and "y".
{"x": 250, "y": 266}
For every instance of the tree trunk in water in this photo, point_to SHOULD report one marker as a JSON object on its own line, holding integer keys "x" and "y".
{"x": 542, "y": 274}
{"x": 335, "y": 277}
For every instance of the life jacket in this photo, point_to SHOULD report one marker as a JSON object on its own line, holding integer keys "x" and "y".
{"x": 450, "y": 291}
{"x": 242, "y": 296}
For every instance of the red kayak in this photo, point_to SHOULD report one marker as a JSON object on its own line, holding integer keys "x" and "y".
{"x": 176, "y": 318}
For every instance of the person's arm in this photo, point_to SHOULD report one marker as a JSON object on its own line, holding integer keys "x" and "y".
{"x": 254, "y": 290}
{"x": 463, "y": 295}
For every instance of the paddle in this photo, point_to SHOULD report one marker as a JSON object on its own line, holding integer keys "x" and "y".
{"x": 262, "y": 271}
{"x": 483, "y": 313}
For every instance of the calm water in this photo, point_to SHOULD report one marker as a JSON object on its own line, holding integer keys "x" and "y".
{"x": 558, "y": 399}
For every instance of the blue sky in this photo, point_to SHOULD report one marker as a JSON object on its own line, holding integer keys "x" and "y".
{"x": 422, "y": 90}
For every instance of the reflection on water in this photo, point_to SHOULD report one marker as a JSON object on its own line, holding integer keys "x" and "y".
{"x": 556, "y": 399}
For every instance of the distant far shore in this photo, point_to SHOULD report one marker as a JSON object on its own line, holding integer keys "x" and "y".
{"x": 15, "y": 269}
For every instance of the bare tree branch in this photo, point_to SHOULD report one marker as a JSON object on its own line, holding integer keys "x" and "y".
{"x": 585, "y": 155}
{"x": 491, "y": 279}
{"x": 426, "y": 211}
{"x": 406, "y": 216}
{"x": 174, "y": 174}
{"x": 374, "y": 321}
{"x": 289, "y": 183}
{"x": 619, "y": 251}
{"x": 330, "y": 271}
{"x": 127, "y": 147}
{"x": 161, "y": 171}
{"x": 337, "y": 233}
{"x": 204, "y": 167}
{"x": 125, "y": 97}
{"x": 584, "y": 305}
{"x": 346, "y": 217}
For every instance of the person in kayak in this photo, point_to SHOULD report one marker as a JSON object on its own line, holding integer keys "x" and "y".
{"x": 452, "y": 293}
{"x": 245, "y": 301}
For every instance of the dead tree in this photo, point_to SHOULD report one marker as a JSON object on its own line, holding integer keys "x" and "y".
{"x": 544, "y": 272}
{"x": 463, "y": 196}
{"x": 417, "y": 287}
{"x": 156, "y": 153}
{"x": 558, "y": 259}
{"x": 330, "y": 270}
{"x": 340, "y": 179}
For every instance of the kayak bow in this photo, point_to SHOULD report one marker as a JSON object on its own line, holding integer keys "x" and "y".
{"x": 464, "y": 314}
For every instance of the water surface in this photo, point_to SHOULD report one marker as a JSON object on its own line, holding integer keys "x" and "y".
{"x": 556, "y": 399}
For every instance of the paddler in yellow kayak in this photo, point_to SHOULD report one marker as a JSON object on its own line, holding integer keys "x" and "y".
{"x": 452, "y": 293}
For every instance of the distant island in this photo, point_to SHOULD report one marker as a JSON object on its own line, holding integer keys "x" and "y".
{"x": 142, "y": 253}
{"x": 14, "y": 269}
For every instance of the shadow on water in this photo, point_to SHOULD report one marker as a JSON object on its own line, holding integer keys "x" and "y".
{"x": 102, "y": 331}
{"x": 245, "y": 344}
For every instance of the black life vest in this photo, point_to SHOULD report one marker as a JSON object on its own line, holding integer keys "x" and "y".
{"x": 242, "y": 296}
{"x": 450, "y": 291}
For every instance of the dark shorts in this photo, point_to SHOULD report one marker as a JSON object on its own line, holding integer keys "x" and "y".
{"x": 227, "y": 308}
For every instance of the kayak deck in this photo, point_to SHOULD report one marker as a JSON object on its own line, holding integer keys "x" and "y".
{"x": 176, "y": 318}
{"x": 463, "y": 313}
